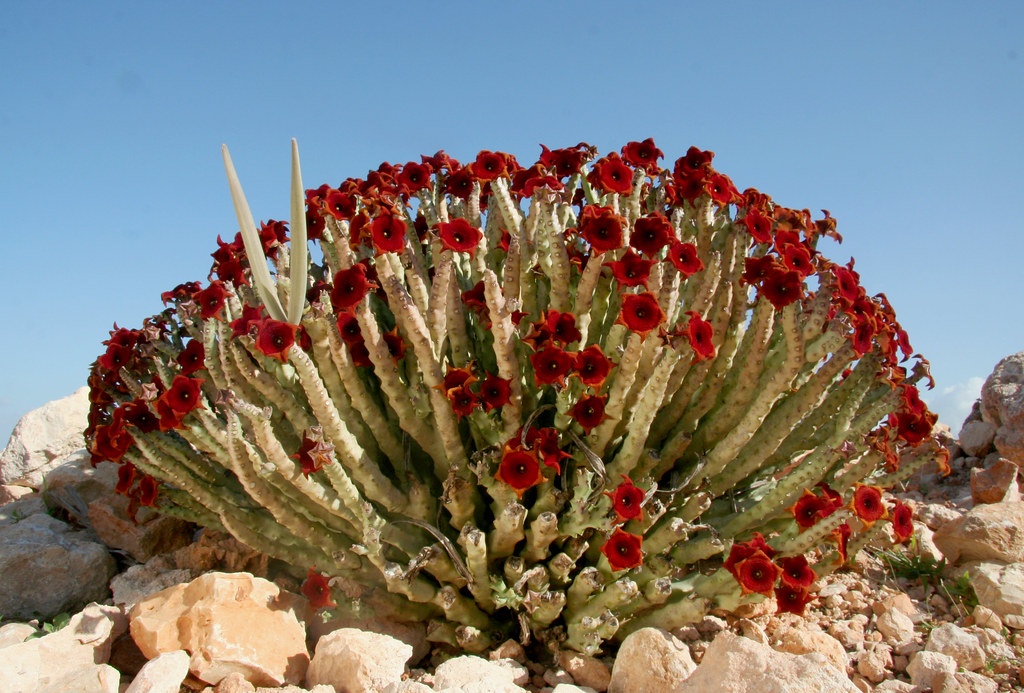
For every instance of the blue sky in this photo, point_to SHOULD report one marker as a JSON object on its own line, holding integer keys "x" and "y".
{"x": 903, "y": 119}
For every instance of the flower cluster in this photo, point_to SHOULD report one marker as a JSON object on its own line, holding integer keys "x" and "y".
{"x": 550, "y": 389}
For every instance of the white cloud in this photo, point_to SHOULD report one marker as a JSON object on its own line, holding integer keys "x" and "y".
{"x": 954, "y": 403}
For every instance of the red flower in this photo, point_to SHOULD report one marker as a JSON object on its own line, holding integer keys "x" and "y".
{"x": 757, "y": 574}
{"x": 700, "y": 334}
{"x": 833, "y": 500}
{"x": 913, "y": 427}
{"x": 184, "y": 395}
{"x": 623, "y": 550}
{"x": 626, "y": 500}
{"x": 274, "y": 338}
{"x": 841, "y": 535}
{"x": 631, "y": 269}
{"x": 125, "y": 478}
{"x": 457, "y": 377}
{"x": 782, "y": 287}
{"x": 791, "y": 599}
{"x": 413, "y": 177}
{"x": 642, "y": 154}
{"x": 115, "y": 357}
{"x": 796, "y": 572}
{"x": 808, "y": 509}
{"x": 459, "y": 236}
{"x": 317, "y": 590}
{"x": 613, "y": 175}
{"x": 589, "y": 411}
{"x": 759, "y": 226}
{"x": 138, "y": 414}
{"x": 867, "y": 503}
{"x": 695, "y": 161}
{"x": 756, "y": 269}
{"x": 519, "y": 469}
{"x": 182, "y": 292}
{"x": 551, "y": 365}
{"x": 722, "y": 190}
{"x": 168, "y": 418}
{"x": 463, "y": 401}
{"x": 592, "y": 366}
{"x": 148, "y": 488}
{"x": 902, "y": 522}
{"x": 488, "y": 166}
{"x": 348, "y": 328}
{"x": 341, "y": 206}
{"x": 314, "y": 453}
{"x": 211, "y": 300}
{"x": 350, "y": 287}
{"x": 847, "y": 283}
{"x": 544, "y": 442}
{"x": 742, "y": 550}
{"x": 388, "y": 233}
{"x": 459, "y": 183}
{"x": 561, "y": 327}
{"x": 651, "y": 234}
{"x": 192, "y": 358}
{"x": 641, "y": 312}
{"x": 396, "y": 345}
{"x": 273, "y": 234}
{"x": 797, "y": 258}
{"x": 601, "y": 228}
{"x": 250, "y": 316}
{"x": 494, "y": 392}
{"x": 685, "y": 259}
{"x": 111, "y": 441}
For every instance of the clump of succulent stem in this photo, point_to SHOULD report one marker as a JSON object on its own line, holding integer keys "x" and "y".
{"x": 559, "y": 402}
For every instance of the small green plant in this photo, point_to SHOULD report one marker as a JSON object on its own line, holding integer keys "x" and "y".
{"x": 59, "y": 621}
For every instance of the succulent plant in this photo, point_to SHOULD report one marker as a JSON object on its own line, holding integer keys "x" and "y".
{"x": 558, "y": 402}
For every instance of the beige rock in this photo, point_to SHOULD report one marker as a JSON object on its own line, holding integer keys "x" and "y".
{"x": 570, "y": 688}
{"x": 162, "y": 674}
{"x": 71, "y": 653}
{"x": 408, "y": 687}
{"x": 800, "y": 641}
{"x": 734, "y": 664}
{"x": 936, "y": 515}
{"x": 151, "y": 533}
{"x": 586, "y": 670}
{"x": 140, "y": 581}
{"x": 94, "y": 678}
{"x": 984, "y": 617}
{"x": 976, "y": 438}
{"x": 10, "y": 493}
{"x": 234, "y": 682}
{"x": 1000, "y": 588}
{"x": 926, "y": 666}
{"x": 895, "y": 626}
{"x": 894, "y": 602}
{"x": 964, "y": 682}
{"x": 996, "y": 484}
{"x": 985, "y": 533}
{"x": 964, "y": 647}
{"x": 875, "y": 663}
{"x": 14, "y": 633}
{"x": 849, "y": 632}
{"x": 510, "y": 649}
{"x": 43, "y": 437}
{"x": 228, "y": 622}
{"x": 894, "y": 685}
{"x": 467, "y": 670}
{"x": 358, "y": 661}
{"x": 413, "y": 634}
{"x": 1002, "y": 405}
{"x": 650, "y": 660}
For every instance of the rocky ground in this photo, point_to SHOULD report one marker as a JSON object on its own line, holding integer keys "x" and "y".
{"x": 168, "y": 608}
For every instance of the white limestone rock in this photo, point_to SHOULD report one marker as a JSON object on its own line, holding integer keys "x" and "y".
{"x": 358, "y": 661}
{"x": 42, "y": 437}
{"x": 650, "y": 660}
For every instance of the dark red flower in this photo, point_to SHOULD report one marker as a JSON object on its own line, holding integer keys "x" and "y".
{"x": 623, "y": 550}
{"x": 396, "y": 345}
{"x": 756, "y": 269}
{"x": 627, "y": 500}
{"x": 601, "y": 228}
{"x": 488, "y": 166}
{"x": 348, "y": 328}
{"x": 413, "y": 177}
{"x": 459, "y": 236}
{"x": 847, "y": 283}
{"x": 797, "y": 257}
{"x": 463, "y": 400}
{"x": 111, "y": 441}
{"x": 641, "y": 312}
{"x": 388, "y": 233}
{"x": 273, "y": 234}
{"x": 137, "y": 413}
{"x": 867, "y": 503}
{"x": 530, "y": 186}
{"x": 561, "y": 327}
{"x": 211, "y": 300}
{"x": 494, "y": 392}
{"x": 613, "y": 175}
{"x": 841, "y": 535}
{"x": 192, "y": 358}
{"x": 651, "y": 234}
{"x": 700, "y": 333}
{"x": 791, "y": 599}
{"x": 902, "y": 522}
{"x": 758, "y": 225}
{"x": 125, "y": 478}
{"x": 148, "y": 488}
{"x": 797, "y": 572}
{"x": 743, "y": 550}
{"x": 250, "y": 316}
{"x": 642, "y": 155}
{"x": 184, "y": 395}
{"x": 317, "y": 590}
{"x": 340, "y": 205}
{"x": 168, "y": 418}
{"x": 314, "y": 452}
{"x": 350, "y": 287}
{"x": 115, "y": 357}
{"x": 519, "y": 469}
{"x": 685, "y": 259}
{"x": 722, "y": 190}
{"x": 833, "y": 499}
{"x": 912, "y": 427}
{"x": 360, "y": 354}
{"x": 808, "y": 509}
{"x": 592, "y": 366}
{"x": 460, "y": 183}
{"x": 589, "y": 411}
{"x": 182, "y": 292}
{"x": 551, "y": 365}
{"x": 782, "y": 287}
{"x": 545, "y": 443}
{"x": 566, "y": 161}
{"x": 695, "y": 161}
{"x": 631, "y": 269}
{"x": 757, "y": 574}
{"x": 457, "y": 377}
{"x": 274, "y": 338}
